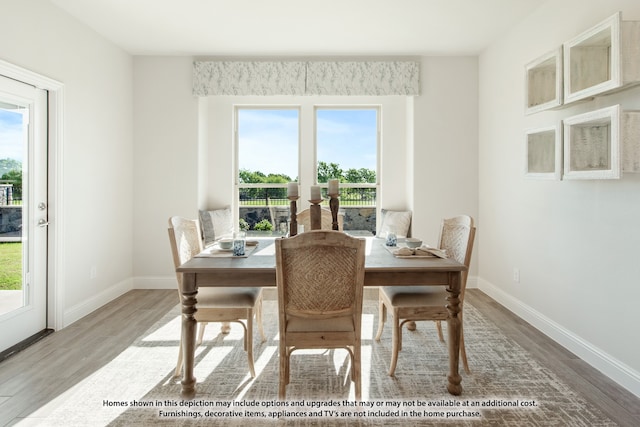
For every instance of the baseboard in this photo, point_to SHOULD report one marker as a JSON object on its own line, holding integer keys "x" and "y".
{"x": 472, "y": 282}
{"x": 155, "y": 282}
{"x": 89, "y": 305}
{"x": 617, "y": 371}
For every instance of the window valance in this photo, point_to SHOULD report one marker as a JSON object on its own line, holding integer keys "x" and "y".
{"x": 351, "y": 78}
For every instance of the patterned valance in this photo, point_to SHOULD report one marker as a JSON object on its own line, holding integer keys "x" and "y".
{"x": 248, "y": 78}
{"x": 364, "y": 78}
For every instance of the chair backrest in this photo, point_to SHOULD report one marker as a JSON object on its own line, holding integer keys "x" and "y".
{"x": 185, "y": 240}
{"x": 456, "y": 236}
{"x": 320, "y": 274}
{"x": 304, "y": 217}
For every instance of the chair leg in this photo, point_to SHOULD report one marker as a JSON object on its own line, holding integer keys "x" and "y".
{"x": 382, "y": 317}
{"x": 284, "y": 361}
{"x": 357, "y": 373}
{"x": 352, "y": 371}
{"x": 200, "y": 333}
{"x": 287, "y": 372}
{"x": 439, "y": 328}
{"x": 248, "y": 336}
{"x": 396, "y": 339}
{"x": 463, "y": 351}
{"x": 225, "y": 328}
{"x": 179, "y": 364}
{"x": 259, "y": 319}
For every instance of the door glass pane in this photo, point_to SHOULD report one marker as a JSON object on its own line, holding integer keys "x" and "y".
{"x": 12, "y": 139}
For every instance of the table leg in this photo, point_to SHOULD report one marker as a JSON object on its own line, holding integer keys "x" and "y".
{"x": 189, "y": 292}
{"x": 454, "y": 330}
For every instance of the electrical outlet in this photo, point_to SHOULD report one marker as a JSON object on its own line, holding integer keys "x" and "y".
{"x": 516, "y": 274}
{"x": 93, "y": 273}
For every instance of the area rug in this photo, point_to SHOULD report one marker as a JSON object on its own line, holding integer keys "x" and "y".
{"x": 506, "y": 386}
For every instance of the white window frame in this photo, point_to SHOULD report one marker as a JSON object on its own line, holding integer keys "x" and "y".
{"x": 394, "y": 172}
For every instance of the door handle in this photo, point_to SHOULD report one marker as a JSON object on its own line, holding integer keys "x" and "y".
{"x": 43, "y": 223}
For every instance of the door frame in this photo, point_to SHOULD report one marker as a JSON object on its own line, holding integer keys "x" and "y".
{"x": 55, "y": 131}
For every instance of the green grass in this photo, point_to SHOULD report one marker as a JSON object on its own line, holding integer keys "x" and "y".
{"x": 10, "y": 266}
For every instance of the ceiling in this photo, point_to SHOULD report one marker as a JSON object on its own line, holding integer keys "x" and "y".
{"x": 300, "y": 27}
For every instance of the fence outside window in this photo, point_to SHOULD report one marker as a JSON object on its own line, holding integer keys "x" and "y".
{"x": 277, "y": 196}
{"x": 7, "y": 197}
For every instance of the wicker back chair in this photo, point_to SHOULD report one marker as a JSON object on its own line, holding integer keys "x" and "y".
{"x": 413, "y": 303}
{"x": 219, "y": 304}
{"x": 326, "y": 221}
{"x": 320, "y": 276}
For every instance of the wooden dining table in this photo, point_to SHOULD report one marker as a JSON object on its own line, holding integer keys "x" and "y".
{"x": 258, "y": 268}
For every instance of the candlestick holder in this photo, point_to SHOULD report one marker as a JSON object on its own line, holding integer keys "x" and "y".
{"x": 293, "y": 208}
{"x": 334, "y": 205}
{"x": 315, "y": 214}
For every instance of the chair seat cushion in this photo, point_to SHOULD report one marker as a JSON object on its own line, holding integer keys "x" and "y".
{"x": 333, "y": 324}
{"x": 244, "y": 297}
{"x": 415, "y": 296}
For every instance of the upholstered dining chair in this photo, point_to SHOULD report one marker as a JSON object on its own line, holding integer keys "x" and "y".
{"x": 219, "y": 304}
{"x": 320, "y": 278}
{"x": 326, "y": 219}
{"x": 415, "y": 303}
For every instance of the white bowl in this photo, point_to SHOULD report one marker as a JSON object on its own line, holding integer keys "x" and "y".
{"x": 225, "y": 243}
{"x": 412, "y": 242}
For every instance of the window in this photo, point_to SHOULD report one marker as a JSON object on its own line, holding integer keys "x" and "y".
{"x": 347, "y": 149}
{"x": 267, "y": 144}
{"x": 337, "y": 142}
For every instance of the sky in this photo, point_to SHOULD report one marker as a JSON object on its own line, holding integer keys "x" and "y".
{"x": 268, "y": 139}
{"x": 10, "y": 135}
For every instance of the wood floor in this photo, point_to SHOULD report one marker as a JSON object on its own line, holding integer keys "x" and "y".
{"x": 51, "y": 366}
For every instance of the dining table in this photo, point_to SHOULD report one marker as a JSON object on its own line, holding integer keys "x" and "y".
{"x": 258, "y": 268}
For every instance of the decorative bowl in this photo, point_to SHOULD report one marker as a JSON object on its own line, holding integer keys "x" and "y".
{"x": 225, "y": 243}
{"x": 412, "y": 242}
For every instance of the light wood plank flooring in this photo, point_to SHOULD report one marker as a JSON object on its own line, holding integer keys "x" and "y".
{"x": 47, "y": 369}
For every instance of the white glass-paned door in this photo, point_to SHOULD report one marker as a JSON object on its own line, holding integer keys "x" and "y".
{"x": 23, "y": 211}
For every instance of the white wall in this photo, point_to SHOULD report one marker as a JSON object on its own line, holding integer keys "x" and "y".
{"x": 165, "y": 162}
{"x": 445, "y": 147}
{"x": 574, "y": 242}
{"x": 96, "y": 179}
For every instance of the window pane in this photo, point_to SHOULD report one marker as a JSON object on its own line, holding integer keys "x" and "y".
{"x": 268, "y": 145}
{"x": 347, "y": 147}
{"x": 267, "y": 154}
{"x": 347, "y": 144}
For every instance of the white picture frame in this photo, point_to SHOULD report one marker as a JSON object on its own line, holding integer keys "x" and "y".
{"x": 543, "y": 77}
{"x": 543, "y": 153}
{"x": 592, "y": 145}
{"x": 601, "y": 60}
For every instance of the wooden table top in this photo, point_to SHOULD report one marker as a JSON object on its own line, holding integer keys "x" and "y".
{"x": 261, "y": 262}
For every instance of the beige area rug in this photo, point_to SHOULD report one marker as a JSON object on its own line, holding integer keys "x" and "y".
{"x": 137, "y": 388}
